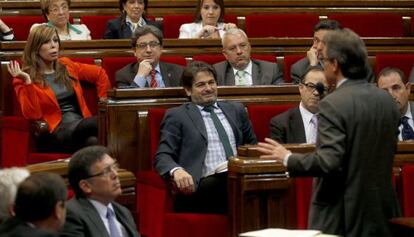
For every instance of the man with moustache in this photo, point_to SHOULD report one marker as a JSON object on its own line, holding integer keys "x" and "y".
{"x": 93, "y": 175}
{"x": 299, "y": 124}
{"x": 394, "y": 81}
{"x": 148, "y": 71}
{"x": 239, "y": 69}
{"x": 353, "y": 193}
{"x": 197, "y": 138}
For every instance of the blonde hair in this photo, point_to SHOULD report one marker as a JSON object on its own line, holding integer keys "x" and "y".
{"x": 33, "y": 64}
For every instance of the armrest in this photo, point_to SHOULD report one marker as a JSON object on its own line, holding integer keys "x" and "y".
{"x": 15, "y": 135}
{"x": 153, "y": 201}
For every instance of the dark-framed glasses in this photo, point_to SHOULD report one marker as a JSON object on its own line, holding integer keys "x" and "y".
{"x": 151, "y": 44}
{"x": 310, "y": 86}
{"x": 106, "y": 172}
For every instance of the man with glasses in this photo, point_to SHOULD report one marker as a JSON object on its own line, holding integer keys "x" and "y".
{"x": 353, "y": 193}
{"x": 148, "y": 71}
{"x": 196, "y": 140}
{"x": 93, "y": 175}
{"x": 239, "y": 69}
{"x": 298, "y": 125}
{"x": 40, "y": 207}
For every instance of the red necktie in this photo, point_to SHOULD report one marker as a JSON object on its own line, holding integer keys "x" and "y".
{"x": 154, "y": 83}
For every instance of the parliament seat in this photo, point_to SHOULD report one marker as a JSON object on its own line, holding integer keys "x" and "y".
{"x": 155, "y": 201}
{"x": 405, "y": 62}
{"x": 372, "y": 24}
{"x": 21, "y": 24}
{"x": 288, "y": 61}
{"x": 96, "y": 24}
{"x": 260, "y": 116}
{"x": 280, "y": 25}
{"x": 209, "y": 58}
{"x": 407, "y": 177}
{"x": 113, "y": 64}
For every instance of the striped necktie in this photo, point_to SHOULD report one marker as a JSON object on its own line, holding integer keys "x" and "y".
{"x": 154, "y": 83}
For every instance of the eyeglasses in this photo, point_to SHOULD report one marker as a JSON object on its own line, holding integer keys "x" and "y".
{"x": 312, "y": 87}
{"x": 56, "y": 9}
{"x": 107, "y": 171}
{"x": 144, "y": 45}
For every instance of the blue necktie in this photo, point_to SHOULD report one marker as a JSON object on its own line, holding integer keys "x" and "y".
{"x": 113, "y": 228}
{"x": 221, "y": 131}
{"x": 407, "y": 132}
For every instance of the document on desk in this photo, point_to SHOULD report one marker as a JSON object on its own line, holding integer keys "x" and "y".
{"x": 274, "y": 232}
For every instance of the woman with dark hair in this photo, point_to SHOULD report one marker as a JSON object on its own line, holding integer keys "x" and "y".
{"x": 132, "y": 16}
{"x": 48, "y": 88}
{"x": 208, "y": 21}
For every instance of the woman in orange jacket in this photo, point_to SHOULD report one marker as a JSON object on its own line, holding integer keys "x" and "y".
{"x": 48, "y": 88}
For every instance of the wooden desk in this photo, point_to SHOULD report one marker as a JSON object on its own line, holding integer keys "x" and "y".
{"x": 402, "y": 227}
{"x": 261, "y": 195}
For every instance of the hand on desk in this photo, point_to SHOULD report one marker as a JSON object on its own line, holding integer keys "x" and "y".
{"x": 272, "y": 150}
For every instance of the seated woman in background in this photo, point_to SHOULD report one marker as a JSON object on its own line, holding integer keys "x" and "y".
{"x": 208, "y": 21}
{"x": 6, "y": 33}
{"x": 48, "y": 88}
{"x": 56, "y": 13}
{"x": 132, "y": 16}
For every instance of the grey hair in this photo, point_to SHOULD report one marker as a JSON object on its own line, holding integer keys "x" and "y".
{"x": 233, "y": 31}
{"x": 9, "y": 181}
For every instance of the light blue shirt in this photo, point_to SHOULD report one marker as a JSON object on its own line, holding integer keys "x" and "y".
{"x": 142, "y": 81}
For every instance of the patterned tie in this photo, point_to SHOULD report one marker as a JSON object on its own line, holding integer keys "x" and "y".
{"x": 220, "y": 130}
{"x": 407, "y": 132}
{"x": 154, "y": 83}
{"x": 313, "y": 128}
{"x": 113, "y": 228}
{"x": 241, "y": 78}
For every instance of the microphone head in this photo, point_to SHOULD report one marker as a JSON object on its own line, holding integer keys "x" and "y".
{"x": 320, "y": 88}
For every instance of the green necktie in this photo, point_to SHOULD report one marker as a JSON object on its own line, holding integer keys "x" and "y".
{"x": 241, "y": 78}
{"x": 221, "y": 131}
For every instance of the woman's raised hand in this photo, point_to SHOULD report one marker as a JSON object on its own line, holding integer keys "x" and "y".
{"x": 15, "y": 70}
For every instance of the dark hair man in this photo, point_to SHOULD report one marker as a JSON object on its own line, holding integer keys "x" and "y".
{"x": 353, "y": 193}
{"x": 93, "y": 175}
{"x": 196, "y": 141}
{"x": 39, "y": 207}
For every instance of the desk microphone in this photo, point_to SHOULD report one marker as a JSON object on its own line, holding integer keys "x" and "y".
{"x": 320, "y": 88}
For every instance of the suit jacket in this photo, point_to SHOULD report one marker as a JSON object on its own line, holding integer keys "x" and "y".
{"x": 171, "y": 75}
{"x": 300, "y": 67}
{"x": 183, "y": 140}
{"x": 39, "y": 102}
{"x": 263, "y": 73}
{"x": 353, "y": 193}
{"x": 287, "y": 127}
{"x": 14, "y": 227}
{"x": 411, "y": 78}
{"x": 115, "y": 31}
{"x": 83, "y": 220}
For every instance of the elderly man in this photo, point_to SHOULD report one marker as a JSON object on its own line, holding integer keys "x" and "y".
{"x": 353, "y": 193}
{"x": 40, "y": 207}
{"x": 196, "y": 141}
{"x": 93, "y": 175}
{"x": 396, "y": 83}
{"x": 239, "y": 69}
{"x": 148, "y": 71}
{"x": 299, "y": 124}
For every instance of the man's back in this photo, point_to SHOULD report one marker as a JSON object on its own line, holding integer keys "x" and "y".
{"x": 15, "y": 228}
{"x": 357, "y": 133}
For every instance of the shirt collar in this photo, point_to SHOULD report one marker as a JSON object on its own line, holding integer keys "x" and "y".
{"x": 408, "y": 112}
{"x": 70, "y": 27}
{"x": 202, "y": 107}
{"x": 140, "y": 22}
{"x": 248, "y": 69}
{"x": 306, "y": 114}
{"x": 341, "y": 82}
{"x": 101, "y": 208}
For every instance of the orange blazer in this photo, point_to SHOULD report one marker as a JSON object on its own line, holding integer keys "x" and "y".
{"x": 39, "y": 102}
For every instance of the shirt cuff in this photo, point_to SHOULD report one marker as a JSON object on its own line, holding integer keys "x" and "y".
{"x": 140, "y": 81}
{"x": 286, "y": 158}
{"x": 173, "y": 170}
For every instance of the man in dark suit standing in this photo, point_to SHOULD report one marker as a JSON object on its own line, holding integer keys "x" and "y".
{"x": 196, "y": 141}
{"x": 239, "y": 69}
{"x": 357, "y": 137}
{"x": 148, "y": 71}
{"x": 298, "y": 125}
{"x": 39, "y": 207}
{"x": 93, "y": 175}
{"x": 394, "y": 81}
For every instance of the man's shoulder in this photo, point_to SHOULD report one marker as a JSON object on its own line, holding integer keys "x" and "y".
{"x": 263, "y": 63}
{"x": 301, "y": 63}
{"x": 127, "y": 68}
{"x": 171, "y": 66}
{"x": 285, "y": 116}
{"x": 221, "y": 66}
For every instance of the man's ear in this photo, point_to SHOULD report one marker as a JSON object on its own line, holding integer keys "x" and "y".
{"x": 335, "y": 66}
{"x": 187, "y": 91}
{"x": 408, "y": 86}
{"x": 85, "y": 186}
{"x": 60, "y": 211}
